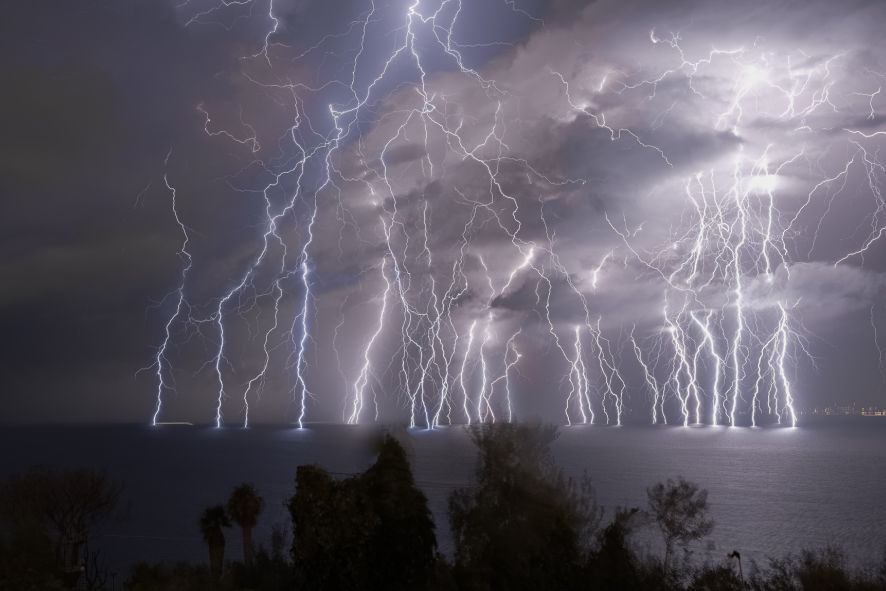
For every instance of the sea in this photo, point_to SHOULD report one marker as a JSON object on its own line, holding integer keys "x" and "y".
{"x": 772, "y": 491}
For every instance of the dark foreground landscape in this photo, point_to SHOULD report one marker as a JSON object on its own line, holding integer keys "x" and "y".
{"x": 508, "y": 508}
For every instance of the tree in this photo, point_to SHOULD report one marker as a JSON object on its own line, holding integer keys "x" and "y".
{"x": 331, "y": 521}
{"x": 613, "y": 564}
{"x": 522, "y": 525}
{"x": 244, "y": 507}
{"x": 212, "y": 522}
{"x": 401, "y": 547}
{"x": 51, "y": 516}
{"x": 369, "y": 531}
{"x": 680, "y": 509}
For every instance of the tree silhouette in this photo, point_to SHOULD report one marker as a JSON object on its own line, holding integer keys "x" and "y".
{"x": 401, "y": 546}
{"x": 613, "y": 564}
{"x": 370, "y": 531}
{"x": 212, "y": 522}
{"x": 523, "y": 525}
{"x": 244, "y": 507}
{"x": 680, "y": 510}
{"x": 51, "y": 514}
{"x": 331, "y": 521}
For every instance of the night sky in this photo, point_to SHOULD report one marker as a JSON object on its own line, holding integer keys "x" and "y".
{"x": 534, "y": 170}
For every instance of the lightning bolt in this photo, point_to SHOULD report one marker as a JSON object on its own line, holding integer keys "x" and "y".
{"x": 726, "y": 338}
{"x": 161, "y": 360}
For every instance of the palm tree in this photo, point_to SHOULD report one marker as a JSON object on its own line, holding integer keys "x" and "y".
{"x": 211, "y": 524}
{"x": 244, "y": 507}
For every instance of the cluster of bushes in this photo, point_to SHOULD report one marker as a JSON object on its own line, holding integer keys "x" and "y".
{"x": 521, "y": 525}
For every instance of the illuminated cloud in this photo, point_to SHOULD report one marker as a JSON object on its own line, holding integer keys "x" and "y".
{"x": 598, "y": 170}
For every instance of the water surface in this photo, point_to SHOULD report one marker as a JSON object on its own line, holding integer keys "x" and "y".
{"x": 771, "y": 490}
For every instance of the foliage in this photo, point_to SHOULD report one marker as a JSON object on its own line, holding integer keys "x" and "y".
{"x": 267, "y": 572}
{"x": 824, "y": 569}
{"x": 613, "y": 563}
{"x": 212, "y": 524}
{"x": 721, "y": 577}
{"x": 401, "y": 547}
{"x": 244, "y": 507}
{"x": 522, "y": 525}
{"x": 331, "y": 521}
{"x": 48, "y": 517}
{"x": 27, "y": 559}
{"x": 370, "y": 531}
{"x": 680, "y": 509}
{"x": 178, "y": 577}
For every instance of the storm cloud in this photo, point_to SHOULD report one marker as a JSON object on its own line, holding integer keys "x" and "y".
{"x": 542, "y": 165}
